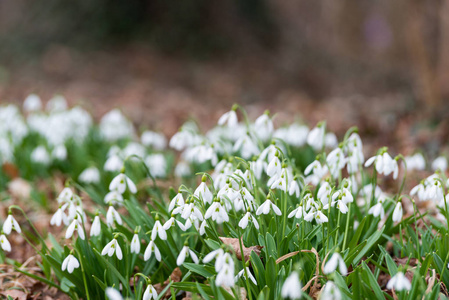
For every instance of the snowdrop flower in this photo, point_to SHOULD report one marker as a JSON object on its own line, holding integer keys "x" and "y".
{"x": 318, "y": 171}
{"x": 263, "y": 126}
{"x": 397, "y": 213}
{"x": 11, "y": 223}
{"x": 225, "y": 268}
{"x": 4, "y": 243}
{"x": 267, "y": 206}
{"x": 185, "y": 252}
{"x": 157, "y": 165}
{"x": 292, "y": 287}
{"x": 113, "y": 294}
{"x": 344, "y": 194}
{"x": 377, "y": 210}
{"x": 242, "y": 273}
{"x": 90, "y": 175}
{"x": 257, "y": 167}
{"x": 440, "y": 163}
{"x": 152, "y": 248}
{"x": 246, "y": 146}
{"x": 120, "y": 182}
{"x": 246, "y": 218}
{"x": 297, "y": 212}
{"x": 113, "y": 164}
{"x": 336, "y": 161}
{"x": 158, "y": 230}
{"x": 384, "y": 164}
{"x": 399, "y": 283}
{"x": 150, "y": 292}
{"x": 56, "y": 104}
{"x": 415, "y": 162}
{"x": 114, "y": 126}
{"x": 215, "y": 254}
{"x": 70, "y": 263}
{"x": 294, "y": 188}
{"x": 75, "y": 225}
{"x": 114, "y": 198}
{"x": 111, "y": 248}
{"x": 113, "y": 215}
{"x": 59, "y": 217}
{"x": 315, "y": 138}
{"x": 182, "y": 169}
{"x": 317, "y": 215}
{"x": 330, "y": 292}
{"x": 32, "y": 103}
{"x": 153, "y": 139}
{"x": 217, "y": 212}
{"x": 135, "y": 244}
{"x": 95, "y": 229}
{"x": 202, "y": 230}
{"x": 229, "y": 118}
{"x": 171, "y": 222}
{"x": 275, "y": 166}
{"x": 332, "y": 264}
{"x": 65, "y": 195}
{"x": 59, "y": 152}
{"x": 177, "y": 201}
{"x": 40, "y": 156}
{"x": 203, "y": 192}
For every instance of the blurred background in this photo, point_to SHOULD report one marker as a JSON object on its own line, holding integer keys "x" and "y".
{"x": 381, "y": 65}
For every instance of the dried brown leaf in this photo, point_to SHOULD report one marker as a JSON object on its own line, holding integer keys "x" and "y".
{"x": 235, "y": 245}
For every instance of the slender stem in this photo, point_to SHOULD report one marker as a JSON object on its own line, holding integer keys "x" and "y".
{"x": 348, "y": 216}
{"x": 338, "y": 228}
{"x": 244, "y": 265}
{"x": 84, "y": 274}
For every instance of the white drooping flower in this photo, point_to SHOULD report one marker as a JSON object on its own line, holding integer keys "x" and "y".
{"x": 266, "y": 207}
{"x": 397, "y": 213}
{"x": 65, "y": 195}
{"x": 150, "y": 293}
{"x": 293, "y": 188}
{"x": 10, "y": 224}
{"x": 4, "y": 243}
{"x": 298, "y": 212}
{"x": 70, "y": 263}
{"x": 113, "y": 294}
{"x": 378, "y": 210}
{"x": 111, "y": 248}
{"x": 113, "y": 215}
{"x": 120, "y": 182}
{"x": 415, "y": 162}
{"x": 40, "y": 156}
{"x": 152, "y": 248}
{"x": 336, "y": 261}
{"x": 292, "y": 287}
{"x": 330, "y": 292}
{"x": 59, "y": 152}
{"x": 384, "y": 164}
{"x": 32, "y": 103}
{"x": 90, "y": 175}
{"x": 60, "y": 216}
{"x": 135, "y": 244}
{"x": 185, "y": 252}
{"x": 203, "y": 192}
{"x": 95, "y": 229}
{"x": 315, "y": 138}
{"x": 225, "y": 268}
{"x": 263, "y": 126}
{"x": 177, "y": 201}
{"x": 229, "y": 118}
{"x": 243, "y": 272}
{"x": 75, "y": 225}
{"x": 440, "y": 163}
{"x": 114, "y": 198}
{"x": 115, "y": 126}
{"x": 399, "y": 283}
{"x": 158, "y": 230}
{"x": 274, "y": 167}
{"x": 153, "y": 139}
{"x": 217, "y": 212}
{"x": 336, "y": 161}
{"x": 316, "y": 171}
{"x": 245, "y": 220}
{"x": 113, "y": 164}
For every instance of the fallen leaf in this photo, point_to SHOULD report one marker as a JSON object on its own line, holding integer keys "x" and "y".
{"x": 15, "y": 294}
{"x": 175, "y": 276}
{"x": 235, "y": 245}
